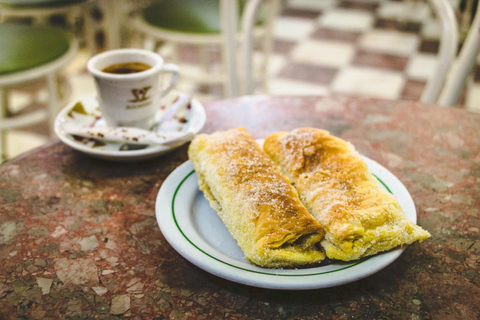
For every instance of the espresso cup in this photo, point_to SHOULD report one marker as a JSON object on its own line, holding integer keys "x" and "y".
{"x": 128, "y": 85}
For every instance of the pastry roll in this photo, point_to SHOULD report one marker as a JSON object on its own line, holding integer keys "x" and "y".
{"x": 255, "y": 201}
{"x": 359, "y": 217}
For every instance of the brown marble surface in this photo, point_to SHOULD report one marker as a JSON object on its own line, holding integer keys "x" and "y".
{"x": 79, "y": 238}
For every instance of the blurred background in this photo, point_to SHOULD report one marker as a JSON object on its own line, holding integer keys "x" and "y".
{"x": 375, "y": 48}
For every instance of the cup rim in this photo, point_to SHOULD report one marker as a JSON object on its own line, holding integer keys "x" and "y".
{"x": 99, "y": 73}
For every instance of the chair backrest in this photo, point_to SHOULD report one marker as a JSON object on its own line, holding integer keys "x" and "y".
{"x": 243, "y": 81}
{"x": 229, "y": 22}
{"x": 447, "y": 51}
{"x": 248, "y": 22}
{"x": 240, "y": 67}
{"x": 463, "y": 65}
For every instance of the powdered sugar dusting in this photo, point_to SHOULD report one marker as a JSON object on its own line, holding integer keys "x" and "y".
{"x": 337, "y": 188}
{"x": 259, "y": 206}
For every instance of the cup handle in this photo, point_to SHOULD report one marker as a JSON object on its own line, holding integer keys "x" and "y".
{"x": 175, "y": 71}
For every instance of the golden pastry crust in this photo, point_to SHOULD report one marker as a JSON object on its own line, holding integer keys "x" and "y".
{"x": 255, "y": 200}
{"x": 359, "y": 217}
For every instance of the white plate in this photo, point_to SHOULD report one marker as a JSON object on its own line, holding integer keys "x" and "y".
{"x": 197, "y": 233}
{"x": 193, "y": 120}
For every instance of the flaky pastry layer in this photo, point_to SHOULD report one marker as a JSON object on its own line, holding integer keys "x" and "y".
{"x": 360, "y": 218}
{"x": 255, "y": 200}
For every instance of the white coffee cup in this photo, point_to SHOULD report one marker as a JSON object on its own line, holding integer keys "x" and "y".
{"x": 131, "y": 99}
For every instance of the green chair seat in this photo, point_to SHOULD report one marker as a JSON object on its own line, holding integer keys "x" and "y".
{"x": 24, "y": 47}
{"x": 187, "y": 16}
{"x": 20, "y": 4}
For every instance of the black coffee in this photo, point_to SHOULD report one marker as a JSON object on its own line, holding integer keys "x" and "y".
{"x": 127, "y": 67}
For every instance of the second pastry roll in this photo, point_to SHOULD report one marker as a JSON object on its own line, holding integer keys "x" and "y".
{"x": 255, "y": 200}
{"x": 359, "y": 217}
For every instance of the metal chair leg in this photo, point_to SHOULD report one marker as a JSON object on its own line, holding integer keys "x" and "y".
{"x": 3, "y": 115}
{"x": 228, "y": 22}
{"x": 112, "y": 17}
{"x": 204, "y": 58}
{"x": 53, "y": 102}
{"x": 89, "y": 30}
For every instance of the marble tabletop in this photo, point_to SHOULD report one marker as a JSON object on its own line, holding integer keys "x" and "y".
{"x": 79, "y": 238}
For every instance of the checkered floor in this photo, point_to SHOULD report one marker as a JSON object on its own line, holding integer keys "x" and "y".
{"x": 385, "y": 49}
{"x": 378, "y": 48}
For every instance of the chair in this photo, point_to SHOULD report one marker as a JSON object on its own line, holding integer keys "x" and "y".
{"x": 29, "y": 53}
{"x": 40, "y": 12}
{"x": 210, "y": 25}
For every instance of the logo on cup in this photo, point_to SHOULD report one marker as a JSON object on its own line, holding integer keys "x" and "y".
{"x": 140, "y": 94}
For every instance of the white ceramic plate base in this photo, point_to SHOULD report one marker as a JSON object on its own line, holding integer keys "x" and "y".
{"x": 194, "y": 120}
{"x": 194, "y": 230}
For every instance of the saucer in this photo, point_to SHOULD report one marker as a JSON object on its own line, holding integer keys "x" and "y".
{"x": 86, "y": 111}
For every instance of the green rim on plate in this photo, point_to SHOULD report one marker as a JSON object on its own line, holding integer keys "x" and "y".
{"x": 244, "y": 269}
